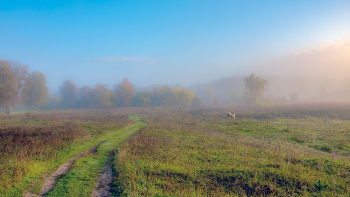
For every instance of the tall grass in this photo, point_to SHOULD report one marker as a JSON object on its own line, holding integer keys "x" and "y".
{"x": 34, "y": 144}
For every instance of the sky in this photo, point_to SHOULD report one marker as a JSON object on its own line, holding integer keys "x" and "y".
{"x": 175, "y": 41}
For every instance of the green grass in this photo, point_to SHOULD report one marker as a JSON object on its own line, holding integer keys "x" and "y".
{"x": 287, "y": 151}
{"x": 80, "y": 180}
{"x": 37, "y": 154}
{"x": 184, "y": 154}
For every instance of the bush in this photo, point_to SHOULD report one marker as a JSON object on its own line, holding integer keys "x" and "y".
{"x": 28, "y": 114}
{"x": 196, "y": 101}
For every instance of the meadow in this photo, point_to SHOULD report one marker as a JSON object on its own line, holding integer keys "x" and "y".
{"x": 300, "y": 150}
{"x": 33, "y": 145}
{"x": 291, "y": 150}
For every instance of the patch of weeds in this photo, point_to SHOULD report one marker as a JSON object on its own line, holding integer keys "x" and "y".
{"x": 296, "y": 139}
{"x": 322, "y": 148}
{"x": 28, "y": 114}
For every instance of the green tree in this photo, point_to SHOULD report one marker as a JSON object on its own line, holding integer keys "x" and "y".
{"x": 12, "y": 78}
{"x": 142, "y": 99}
{"x": 69, "y": 94}
{"x": 35, "y": 92}
{"x": 169, "y": 96}
{"x": 234, "y": 96}
{"x": 86, "y": 97}
{"x": 196, "y": 101}
{"x": 185, "y": 97}
{"x": 156, "y": 97}
{"x": 255, "y": 87}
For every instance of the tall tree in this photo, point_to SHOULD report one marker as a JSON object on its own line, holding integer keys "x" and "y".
{"x": 105, "y": 100}
{"x": 86, "y": 97}
{"x": 156, "y": 97}
{"x": 185, "y": 97}
{"x": 69, "y": 93}
{"x": 124, "y": 92}
{"x": 35, "y": 92}
{"x": 12, "y": 77}
{"x": 255, "y": 87}
{"x": 142, "y": 99}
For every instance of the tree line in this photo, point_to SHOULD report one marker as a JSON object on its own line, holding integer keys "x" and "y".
{"x": 18, "y": 87}
{"x": 121, "y": 95}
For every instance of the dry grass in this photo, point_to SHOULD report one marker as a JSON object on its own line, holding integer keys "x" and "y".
{"x": 28, "y": 139}
{"x": 182, "y": 153}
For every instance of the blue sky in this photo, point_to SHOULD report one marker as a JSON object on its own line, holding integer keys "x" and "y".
{"x": 182, "y": 41}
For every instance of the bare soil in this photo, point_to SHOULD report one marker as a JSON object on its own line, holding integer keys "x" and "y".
{"x": 102, "y": 187}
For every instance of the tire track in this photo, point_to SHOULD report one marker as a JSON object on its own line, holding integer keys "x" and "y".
{"x": 50, "y": 181}
{"x": 102, "y": 187}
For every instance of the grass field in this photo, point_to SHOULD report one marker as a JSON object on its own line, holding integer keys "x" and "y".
{"x": 294, "y": 150}
{"x": 34, "y": 145}
{"x": 300, "y": 151}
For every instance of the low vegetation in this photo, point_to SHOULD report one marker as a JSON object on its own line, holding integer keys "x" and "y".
{"x": 33, "y": 144}
{"x": 199, "y": 152}
{"x": 292, "y": 150}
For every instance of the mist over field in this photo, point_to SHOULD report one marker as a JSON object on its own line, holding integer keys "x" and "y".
{"x": 174, "y": 98}
{"x": 300, "y": 48}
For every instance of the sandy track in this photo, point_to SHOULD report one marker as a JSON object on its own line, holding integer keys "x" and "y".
{"x": 50, "y": 181}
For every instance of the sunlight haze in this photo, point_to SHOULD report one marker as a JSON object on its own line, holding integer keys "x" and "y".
{"x": 185, "y": 42}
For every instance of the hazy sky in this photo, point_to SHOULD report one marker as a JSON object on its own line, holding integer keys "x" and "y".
{"x": 173, "y": 41}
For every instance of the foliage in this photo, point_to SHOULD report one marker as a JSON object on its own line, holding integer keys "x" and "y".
{"x": 142, "y": 99}
{"x": 234, "y": 97}
{"x": 69, "y": 94}
{"x": 35, "y": 92}
{"x": 156, "y": 97}
{"x": 255, "y": 87}
{"x": 12, "y": 77}
{"x": 34, "y": 144}
{"x": 174, "y": 96}
{"x": 196, "y": 101}
{"x": 124, "y": 92}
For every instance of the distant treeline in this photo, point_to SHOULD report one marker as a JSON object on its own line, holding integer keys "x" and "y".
{"x": 122, "y": 95}
{"x": 18, "y": 87}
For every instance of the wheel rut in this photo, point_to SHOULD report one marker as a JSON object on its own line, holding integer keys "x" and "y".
{"x": 50, "y": 181}
{"x": 102, "y": 187}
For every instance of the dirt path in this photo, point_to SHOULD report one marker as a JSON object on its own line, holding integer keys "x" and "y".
{"x": 102, "y": 185}
{"x": 50, "y": 181}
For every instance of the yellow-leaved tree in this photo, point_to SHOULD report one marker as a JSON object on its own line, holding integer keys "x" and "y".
{"x": 124, "y": 92}
{"x": 35, "y": 92}
{"x": 12, "y": 77}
